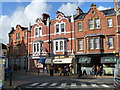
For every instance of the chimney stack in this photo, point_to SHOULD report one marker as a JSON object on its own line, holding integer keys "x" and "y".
{"x": 45, "y": 17}
{"x": 93, "y": 5}
{"x": 78, "y": 11}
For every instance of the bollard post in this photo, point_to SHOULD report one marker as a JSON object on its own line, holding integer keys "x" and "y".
{"x": 10, "y": 78}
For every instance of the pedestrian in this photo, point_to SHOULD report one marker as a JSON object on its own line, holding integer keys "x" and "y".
{"x": 64, "y": 71}
{"x": 101, "y": 70}
{"x": 95, "y": 71}
{"x": 84, "y": 71}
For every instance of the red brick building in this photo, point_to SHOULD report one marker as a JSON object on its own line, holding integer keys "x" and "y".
{"x": 52, "y": 38}
{"x": 97, "y": 38}
{"x": 81, "y": 40}
{"x": 18, "y": 47}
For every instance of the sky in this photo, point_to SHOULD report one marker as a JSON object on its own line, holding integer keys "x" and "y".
{"x": 23, "y": 13}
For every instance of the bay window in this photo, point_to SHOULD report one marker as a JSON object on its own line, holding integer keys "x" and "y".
{"x": 80, "y": 45}
{"x": 110, "y": 43}
{"x": 59, "y": 45}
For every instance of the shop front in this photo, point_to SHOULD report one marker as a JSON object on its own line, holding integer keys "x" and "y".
{"x": 84, "y": 64}
{"x": 59, "y": 63}
{"x": 108, "y": 64}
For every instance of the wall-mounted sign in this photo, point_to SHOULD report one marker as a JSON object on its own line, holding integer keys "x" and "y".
{"x": 84, "y": 60}
{"x": 108, "y": 60}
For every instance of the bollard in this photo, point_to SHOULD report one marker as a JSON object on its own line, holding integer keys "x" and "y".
{"x": 10, "y": 78}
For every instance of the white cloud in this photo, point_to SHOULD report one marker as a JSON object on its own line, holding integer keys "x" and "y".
{"x": 69, "y": 8}
{"x": 103, "y": 8}
{"x": 22, "y": 16}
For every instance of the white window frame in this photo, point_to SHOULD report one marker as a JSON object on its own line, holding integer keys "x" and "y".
{"x": 110, "y": 43}
{"x": 38, "y": 50}
{"x": 36, "y": 29}
{"x": 91, "y": 44}
{"x": 80, "y": 44}
{"x": 60, "y": 29}
{"x": 79, "y": 25}
{"x": 59, "y": 47}
{"x": 96, "y": 43}
{"x": 109, "y": 22}
{"x": 97, "y": 23}
{"x": 90, "y": 23}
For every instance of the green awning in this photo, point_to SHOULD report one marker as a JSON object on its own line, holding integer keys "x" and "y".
{"x": 84, "y": 60}
{"x": 108, "y": 59}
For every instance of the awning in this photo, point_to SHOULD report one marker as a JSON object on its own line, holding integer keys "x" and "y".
{"x": 48, "y": 61}
{"x": 84, "y": 60}
{"x": 42, "y": 60}
{"x": 62, "y": 60}
{"x": 108, "y": 60}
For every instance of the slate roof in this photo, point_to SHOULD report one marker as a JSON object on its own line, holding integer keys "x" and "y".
{"x": 79, "y": 17}
{"x": 109, "y": 12}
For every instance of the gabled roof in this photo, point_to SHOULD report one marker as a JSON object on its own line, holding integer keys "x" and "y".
{"x": 109, "y": 12}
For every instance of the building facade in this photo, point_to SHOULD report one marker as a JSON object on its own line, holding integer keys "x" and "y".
{"x": 18, "y": 47}
{"x": 81, "y": 41}
{"x": 97, "y": 39}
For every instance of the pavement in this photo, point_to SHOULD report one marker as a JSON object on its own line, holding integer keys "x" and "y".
{"x": 21, "y": 77}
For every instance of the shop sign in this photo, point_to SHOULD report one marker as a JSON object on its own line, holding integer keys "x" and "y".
{"x": 84, "y": 60}
{"x": 108, "y": 60}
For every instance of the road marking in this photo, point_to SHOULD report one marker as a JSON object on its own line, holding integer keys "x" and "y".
{"x": 83, "y": 85}
{"x": 53, "y": 84}
{"x": 104, "y": 85}
{"x": 63, "y": 84}
{"x": 34, "y": 84}
{"x": 94, "y": 85}
{"x": 44, "y": 84}
{"x": 73, "y": 84}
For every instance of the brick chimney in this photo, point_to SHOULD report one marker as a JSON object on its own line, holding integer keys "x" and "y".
{"x": 78, "y": 11}
{"x": 45, "y": 17}
{"x": 93, "y": 6}
{"x": 116, "y": 5}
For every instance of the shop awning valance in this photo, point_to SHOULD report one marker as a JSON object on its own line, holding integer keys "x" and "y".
{"x": 62, "y": 60}
{"x": 108, "y": 59}
{"x": 59, "y": 61}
